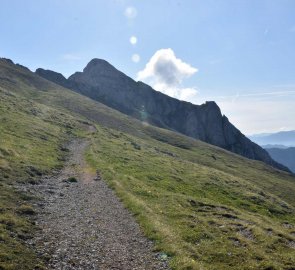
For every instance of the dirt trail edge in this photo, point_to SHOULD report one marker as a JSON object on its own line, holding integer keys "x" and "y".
{"x": 83, "y": 225}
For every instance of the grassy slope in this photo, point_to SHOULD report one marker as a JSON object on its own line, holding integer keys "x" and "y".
{"x": 31, "y": 136}
{"x": 205, "y": 207}
{"x": 204, "y": 214}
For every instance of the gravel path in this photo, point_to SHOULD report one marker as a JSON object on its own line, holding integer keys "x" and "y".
{"x": 83, "y": 225}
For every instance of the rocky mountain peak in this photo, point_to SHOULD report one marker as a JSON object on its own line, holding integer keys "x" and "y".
{"x": 104, "y": 83}
{"x": 211, "y": 104}
{"x": 11, "y": 63}
{"x": 6, "y": 60}
{"x": 100, "y": 72}
{"x": 97, "y": 64}
{"x": 100, "y": 67}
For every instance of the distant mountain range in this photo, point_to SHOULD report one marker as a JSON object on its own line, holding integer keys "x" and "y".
{"x": 284, "y": 156}
{"x": 104, "y": 83}
{"x": 285, "y": 138}
{"x": 279, "y": 145}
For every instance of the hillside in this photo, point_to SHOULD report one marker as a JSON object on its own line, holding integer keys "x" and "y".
{"x": 204, "y": 207}
{"x": 285, "y": 156}
{"x": 104, "y": 83}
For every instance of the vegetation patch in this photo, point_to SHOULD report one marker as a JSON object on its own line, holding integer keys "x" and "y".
{"x": 29, "y": 147}
{"x": 72, "y": 179}
{"x": 26, "y": 210}
{"x": 199, "y": 211}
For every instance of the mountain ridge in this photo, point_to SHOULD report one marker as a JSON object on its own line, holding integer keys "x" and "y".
{"x": 286, "y": 138}
{"x": 102, "y": 82}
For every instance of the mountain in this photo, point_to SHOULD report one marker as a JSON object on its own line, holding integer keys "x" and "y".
{"x": 104, "y": 83}
{"x": 285, "y": 156}
{"x": 204, "y": 207}
{"x": 267, "y": 146}
{"x": 286, "y": 138}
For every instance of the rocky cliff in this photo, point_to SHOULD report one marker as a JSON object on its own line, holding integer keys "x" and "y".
{"x": 104, "y": 83}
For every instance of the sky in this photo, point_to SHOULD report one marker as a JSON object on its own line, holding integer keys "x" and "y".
{"x": 239, "y": 53}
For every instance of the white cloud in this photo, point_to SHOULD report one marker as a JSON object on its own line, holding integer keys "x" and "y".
{"x": 71, "y": 57}
{"x": 188, "y": 93}
{"x": 165, "y": 72}
{"x": 130, "y": 12}
{"x": 133, "y": 40}
{"x": 135, "y": 58}
{"x": 177, "y": 92}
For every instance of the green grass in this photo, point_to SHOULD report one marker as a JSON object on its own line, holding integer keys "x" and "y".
{"x": 204, "y": 212}
{"x": 204, "y": 207}
{"x": 31, "y": 136}
{"x": 72, "y": 180}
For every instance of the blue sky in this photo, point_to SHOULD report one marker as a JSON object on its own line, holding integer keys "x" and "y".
{"x": 239, "y": 53}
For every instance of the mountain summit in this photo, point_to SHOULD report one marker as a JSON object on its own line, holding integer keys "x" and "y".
{"x": 104, "y": 83}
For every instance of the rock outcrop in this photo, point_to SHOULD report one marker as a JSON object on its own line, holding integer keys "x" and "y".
{"x": 104, "y": 83}
{"x": 52, "y": 76}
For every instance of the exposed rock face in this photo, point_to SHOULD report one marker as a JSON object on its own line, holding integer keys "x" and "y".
{"x": 104, "y": 83}
{"x": 53, "y": 76}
